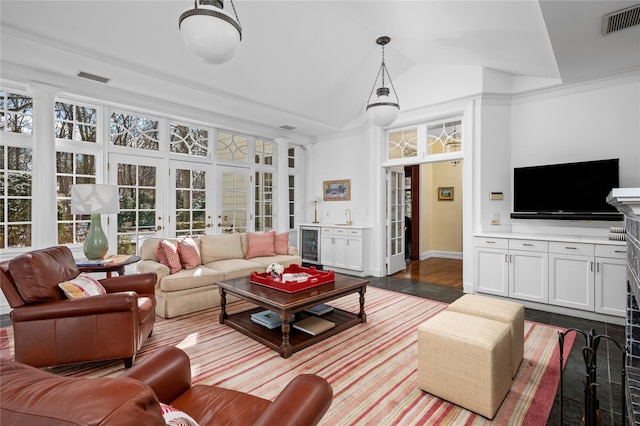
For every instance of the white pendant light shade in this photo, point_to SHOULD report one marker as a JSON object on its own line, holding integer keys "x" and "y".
{"x": 383, "y": 110}
{"x": 210, "y": 32}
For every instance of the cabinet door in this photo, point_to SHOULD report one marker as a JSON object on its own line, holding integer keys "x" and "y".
{"x": 529, "y": 275}
{"x": 571, "y": 281}
{"x": 326, "y": 249}
{"x": 354, "y": 253}
{"x": 611, "y": 286}
{"x": 492, "y": 271}
{"x": 340, "y": 251}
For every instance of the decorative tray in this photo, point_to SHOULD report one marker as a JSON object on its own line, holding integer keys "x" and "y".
{"x": 294, "y": 278}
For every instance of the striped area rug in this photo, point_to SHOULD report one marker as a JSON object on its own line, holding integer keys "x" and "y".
{"x": 372, "y": 367}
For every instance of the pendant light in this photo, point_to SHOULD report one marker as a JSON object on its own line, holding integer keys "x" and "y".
{"x": 383, "y": 110}
{"x": 210, "y": 32}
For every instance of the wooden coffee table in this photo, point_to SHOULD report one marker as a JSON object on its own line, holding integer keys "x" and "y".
{"x": 286, "y": 340}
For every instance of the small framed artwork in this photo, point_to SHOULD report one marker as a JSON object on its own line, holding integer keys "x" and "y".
{"x": 445, "y": 193}
{"x": 337, "y": 190}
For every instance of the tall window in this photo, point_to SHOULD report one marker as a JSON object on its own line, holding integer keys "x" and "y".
{"x": 15, "y": 196}
{"x": 264, "y": 201}
{"x": 75, "y": 122}
{"x": 189, "y": 140}
{"x": 16, "y": 113}
{"x": 291, "y": 162}
{"x": 134, "y": 131}
{"x": 72, "y": 168}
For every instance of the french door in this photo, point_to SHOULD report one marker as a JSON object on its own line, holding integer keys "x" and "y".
{"x": 233, "y": 200}
{"x": 190, "y": 198}
{"x": 395, "y": 221}
{"x": 140, "y": 187}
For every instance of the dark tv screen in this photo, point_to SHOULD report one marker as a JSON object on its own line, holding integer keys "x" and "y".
{"x": 565, "y": 188}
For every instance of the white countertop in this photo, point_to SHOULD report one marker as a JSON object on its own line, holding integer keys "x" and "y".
{"x": 335, "y": 225}
{"x": 590, "y": 239}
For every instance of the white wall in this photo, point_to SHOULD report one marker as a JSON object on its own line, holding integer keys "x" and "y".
{"x": 589, "y": 121}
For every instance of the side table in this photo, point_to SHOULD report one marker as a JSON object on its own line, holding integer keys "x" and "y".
{"x": 117, "y": 264}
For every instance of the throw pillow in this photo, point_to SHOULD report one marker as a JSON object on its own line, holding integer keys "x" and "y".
{"x": 174, "y": 417}
{"x": 167, "y": 254}
{"x": 282, "y": 243}
{"x": 260, "y": 244}
{"x": 189, "y": 253}
{"x": 82, "y": 286}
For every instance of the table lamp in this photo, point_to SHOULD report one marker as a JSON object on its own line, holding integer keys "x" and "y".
{"x": 95, "y": 200}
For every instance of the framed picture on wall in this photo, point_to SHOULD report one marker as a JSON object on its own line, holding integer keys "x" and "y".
{"x": 337, "y": 190}
{"x": 445, "y": 193}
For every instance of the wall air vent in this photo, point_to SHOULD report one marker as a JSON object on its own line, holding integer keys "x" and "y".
{"x": 287, "y": 127}
{"x": 621, "y": 19}
{"x": 93, "y": 77}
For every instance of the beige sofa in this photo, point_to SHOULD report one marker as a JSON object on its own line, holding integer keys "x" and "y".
{"x": 222, "y": 257}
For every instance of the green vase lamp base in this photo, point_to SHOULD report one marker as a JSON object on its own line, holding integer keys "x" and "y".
{"x": 96, "y": 245}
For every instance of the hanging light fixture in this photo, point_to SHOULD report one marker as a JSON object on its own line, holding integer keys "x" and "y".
{"x": 211, "y": 33}
{"x": 383, "y": 110}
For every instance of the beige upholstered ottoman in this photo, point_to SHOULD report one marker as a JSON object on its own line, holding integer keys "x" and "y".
{"x": 465, "y": 360}
{"x": 498, "y": 310}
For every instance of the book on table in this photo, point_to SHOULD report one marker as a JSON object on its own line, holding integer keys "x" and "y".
{"x": 320, "y": 309}
{"x": 92, "y": 262}
{"x": 268, "y": 319}
{"x": 314, "y": 325}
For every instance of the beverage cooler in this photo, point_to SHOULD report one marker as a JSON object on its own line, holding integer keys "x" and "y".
{"x": 310, "y": 244}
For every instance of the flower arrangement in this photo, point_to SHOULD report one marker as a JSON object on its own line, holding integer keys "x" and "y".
{"x": 275, "y": 268}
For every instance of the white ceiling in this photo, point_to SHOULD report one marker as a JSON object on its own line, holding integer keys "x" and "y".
{"x": 311, "y": 64}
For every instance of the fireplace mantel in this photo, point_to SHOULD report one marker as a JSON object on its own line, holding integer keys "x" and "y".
{"x": 626, "y": 200}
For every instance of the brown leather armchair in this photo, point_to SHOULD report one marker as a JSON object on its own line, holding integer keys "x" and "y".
{"x": 32, "y": 396}
{"x": 52, "y": 330}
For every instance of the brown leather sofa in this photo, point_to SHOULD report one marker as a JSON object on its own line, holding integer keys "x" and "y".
{"x": 30, "y": 396}
{"x": 52, "y": 330}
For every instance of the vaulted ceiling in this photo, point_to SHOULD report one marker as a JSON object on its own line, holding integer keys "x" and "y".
{"x": 310, "y": 64}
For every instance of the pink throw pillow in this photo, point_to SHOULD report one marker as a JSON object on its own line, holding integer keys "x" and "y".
{"x": 167, "y": 254}
{"x": 189, "y": 253}
{"x": 282, "y": 243}
{"x": 260, "y": 244}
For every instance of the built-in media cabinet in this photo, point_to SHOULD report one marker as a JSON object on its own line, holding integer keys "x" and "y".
{"x": 569, "y": 275}
{"x": 339, "y": 248}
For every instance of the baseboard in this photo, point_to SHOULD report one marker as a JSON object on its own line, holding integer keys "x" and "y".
{"x": 441, "y": 255}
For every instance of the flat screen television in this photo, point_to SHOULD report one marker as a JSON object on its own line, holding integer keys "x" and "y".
{"x": 566, "y": 191}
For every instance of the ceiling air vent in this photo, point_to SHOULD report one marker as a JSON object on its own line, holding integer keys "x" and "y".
{"x": 287, "y": 127}
{"x": 93, "y": 77}
{"x": 621, "y": 19}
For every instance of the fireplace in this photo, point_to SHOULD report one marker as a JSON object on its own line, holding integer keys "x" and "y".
{"x": 627, "y": 201}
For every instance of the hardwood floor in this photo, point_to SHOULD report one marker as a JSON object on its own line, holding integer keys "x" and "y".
{"x": 444, "y": 272}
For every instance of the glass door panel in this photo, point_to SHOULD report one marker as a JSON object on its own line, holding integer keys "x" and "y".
{"x": 190, "y": 199}
{"x": 233, "y": 200}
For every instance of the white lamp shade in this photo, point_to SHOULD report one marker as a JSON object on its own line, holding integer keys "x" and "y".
{"x": 382, "y": 112}
{"x": 94, "y": 199}
{"x": 210, "y": 38}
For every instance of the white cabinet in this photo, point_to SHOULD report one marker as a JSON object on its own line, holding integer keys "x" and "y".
{"x": 529, "y": 270}
{"x": 342, "y": 248}
{"x": 611, "y": 272}
{"x": 580, "y": 275}
{"x": 571, "y": 275}
{"x": 512, "y": 268}
{"x": 591, "y": 277}
{"x": 492, "y": 266}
